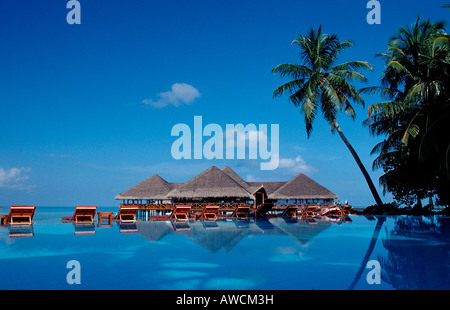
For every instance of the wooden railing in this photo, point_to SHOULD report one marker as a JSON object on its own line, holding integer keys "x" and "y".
{"x": 223, "y": 206}
{"x": 195, "y": 206}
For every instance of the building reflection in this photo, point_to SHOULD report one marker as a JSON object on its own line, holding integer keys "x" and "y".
{"x": 225, "y": 234}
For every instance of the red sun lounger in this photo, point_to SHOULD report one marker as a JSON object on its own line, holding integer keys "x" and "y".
{"x": 19, "y": 214}
{"x": 179, "y": 212}
{"x": 127, "y": 214}
{"x": 209, "y": 213}
{"x": 82, "y": 214}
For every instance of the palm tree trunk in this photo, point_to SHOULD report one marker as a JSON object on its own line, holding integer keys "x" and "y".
{"x": 369, "y": 251}
{"x": 360, "y": 165}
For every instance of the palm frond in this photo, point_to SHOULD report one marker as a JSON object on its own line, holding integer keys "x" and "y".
{"x": 289, "y": 87}
{"x": 353, "y": 65}
{"x": 291, "y": 70}
{"x": 350, "y": 75}
{"x": 318, "y": 83}
{"x": 384, "y": 92}
{"x": 399, "y": 67}
{"x": 411, "y": 131}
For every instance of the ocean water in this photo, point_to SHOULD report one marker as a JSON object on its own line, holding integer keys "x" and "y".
{"x": 358, "y": 252}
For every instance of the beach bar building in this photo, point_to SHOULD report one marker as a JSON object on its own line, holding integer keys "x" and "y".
{"x": 225, "y": 188}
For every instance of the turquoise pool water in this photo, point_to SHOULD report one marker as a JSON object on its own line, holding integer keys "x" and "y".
{"x": 412, "y": 252}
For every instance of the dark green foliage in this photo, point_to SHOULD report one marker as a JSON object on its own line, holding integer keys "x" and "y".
{"x": 415, "y": 118}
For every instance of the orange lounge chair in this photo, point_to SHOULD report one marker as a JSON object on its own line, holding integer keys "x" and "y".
{"x": 329, "y": 211}
{"x": 240, "y": 211}
{"x": 127, "y": 214}
{"x": 82, "y": 214}
{"x": 290, "y": 211}
{"x": 179, "y": 212}
{"x": 209, "y": 213}
{"x": 310, "y": 211}
{"x": 346, "y": 209}
{"x": 19, "y": 214}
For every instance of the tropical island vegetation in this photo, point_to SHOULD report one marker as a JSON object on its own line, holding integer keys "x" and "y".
{"x": 412, "y": 117}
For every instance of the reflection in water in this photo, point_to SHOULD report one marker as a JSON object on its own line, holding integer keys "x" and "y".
{"x": 127, "y": 227}
{"x": 419, "y": 253}
{"x": 370, "y": 248}
{"x": 21, "y": 231}
{"x": 225, "y": 234}
{"x": 271, "y": 253}
{"x": 84, "y": 228}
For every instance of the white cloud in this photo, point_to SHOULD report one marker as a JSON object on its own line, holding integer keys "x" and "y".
{"x": 251, "y": 178}
{"x": 243, "y": 138}
{"x": 11, "y": 178}
{"x": 179, "y": 94}
{"x": 297, "y": 164}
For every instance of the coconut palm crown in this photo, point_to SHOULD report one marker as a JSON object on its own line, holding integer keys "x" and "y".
{"x": 319, "y": 85}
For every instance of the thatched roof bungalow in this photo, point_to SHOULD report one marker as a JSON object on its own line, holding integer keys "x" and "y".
{"x": 302, "y": 187}
{"x": 153, "y": 188}
{"x": 225, "y": 184}
{"x": 211, "y": 183}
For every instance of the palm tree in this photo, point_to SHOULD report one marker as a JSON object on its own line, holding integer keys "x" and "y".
{"x": 320, "y": 85}
{"x": 416, "y": 83}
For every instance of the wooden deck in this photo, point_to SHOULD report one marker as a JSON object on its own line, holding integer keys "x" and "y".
{"x": 196, "y": 206}
{"x": 146, "y": 210}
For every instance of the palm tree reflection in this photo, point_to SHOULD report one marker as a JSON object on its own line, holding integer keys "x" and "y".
{"x": 419, "y": 253}
{"x": 373, "y": 241}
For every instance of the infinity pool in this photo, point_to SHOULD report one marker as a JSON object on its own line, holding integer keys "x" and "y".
{"x": 411, "y": 252}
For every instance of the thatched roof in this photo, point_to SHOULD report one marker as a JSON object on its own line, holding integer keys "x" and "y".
{"x": 252, "y": 187}
{"x": 211, "y": 183}
{"x": 225, "y": 183}
{"x": 154, "y": 230}
{"x": 302, "y": 187}
{"x": 302, "y": 231}
{"x": 154, "y": 187}
{"x": 224, "y": 237}
{"x": 232, "y": 174}
{"x": 270, "y": 187}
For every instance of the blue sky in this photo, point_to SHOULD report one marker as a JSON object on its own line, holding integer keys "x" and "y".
{"x": 87, "y": 110}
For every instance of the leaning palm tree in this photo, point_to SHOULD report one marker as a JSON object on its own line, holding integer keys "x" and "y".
{"x": 319, "y": 85}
